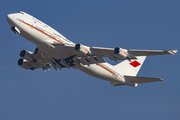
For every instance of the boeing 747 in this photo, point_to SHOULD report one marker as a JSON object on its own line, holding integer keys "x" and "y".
{"x": 54, "y": 50}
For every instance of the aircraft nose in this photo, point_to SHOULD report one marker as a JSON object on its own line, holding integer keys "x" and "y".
{"x": 9, "y": 18}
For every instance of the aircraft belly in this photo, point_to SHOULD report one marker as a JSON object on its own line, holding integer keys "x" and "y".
{"x": 99, "y": 72}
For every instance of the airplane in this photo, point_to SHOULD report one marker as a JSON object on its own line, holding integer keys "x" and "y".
{"x": 55, "y": 50}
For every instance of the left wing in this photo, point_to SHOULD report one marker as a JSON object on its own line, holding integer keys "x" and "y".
{"x": 106, "y": 51}
{"x": 151, "y": 52}
{"x": 113, "y": 54}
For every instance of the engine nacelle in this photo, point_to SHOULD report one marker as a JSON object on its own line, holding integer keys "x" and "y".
{"x": 25, "y": 64}
{"x": 15, "y": 30}
{"x": 122, "y": 53}
{"x": 85, "y": 50}
{"x": 27, "y": 55}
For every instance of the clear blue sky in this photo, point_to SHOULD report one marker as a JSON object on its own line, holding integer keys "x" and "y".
{"x": 70, "y": 94}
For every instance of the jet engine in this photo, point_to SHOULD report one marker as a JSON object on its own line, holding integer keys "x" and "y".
{"x": 27, "y": 55}
{"x": 25, "y": 64}
{"x": 122, "y": 53}
{"x": 82, "y": 49}
{"x": 15, "y": 30}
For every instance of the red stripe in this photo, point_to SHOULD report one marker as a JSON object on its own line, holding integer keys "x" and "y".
{"x": 173, "y": 52}
{"x": 40, "y": 31}
{"x": 108, "y": 70}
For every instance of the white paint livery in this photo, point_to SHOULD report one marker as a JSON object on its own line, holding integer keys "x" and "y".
{"x": 53, "y": 49}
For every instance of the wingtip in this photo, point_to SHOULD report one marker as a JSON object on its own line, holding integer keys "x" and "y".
{"x": 173, "y": 52}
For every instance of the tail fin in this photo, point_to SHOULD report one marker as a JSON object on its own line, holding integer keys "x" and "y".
{"x": 130, "y": 68}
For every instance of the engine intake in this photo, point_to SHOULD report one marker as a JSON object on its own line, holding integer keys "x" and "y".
{"x": 27, "y": 55}
{"x": 25, "y": 64}
{"x": 83, "y": 49}
{"x": 122, "y": 53}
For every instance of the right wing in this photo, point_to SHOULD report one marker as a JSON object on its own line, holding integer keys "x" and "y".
{"x": 36, "y": 60}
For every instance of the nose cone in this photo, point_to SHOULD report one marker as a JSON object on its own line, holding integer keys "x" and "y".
{"x": 8, "y": 16}
{"x": 10, "y": 19}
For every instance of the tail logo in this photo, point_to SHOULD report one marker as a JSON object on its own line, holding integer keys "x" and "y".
{"x": 135, "y": 63}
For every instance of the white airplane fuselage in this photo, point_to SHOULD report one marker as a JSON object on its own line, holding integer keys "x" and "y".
{"x": 43, "y": 36}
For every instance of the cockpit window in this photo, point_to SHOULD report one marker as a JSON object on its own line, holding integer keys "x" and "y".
{"x": 21, "y": 12}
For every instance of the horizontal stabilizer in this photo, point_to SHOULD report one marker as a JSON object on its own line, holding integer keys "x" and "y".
{"x": 142, "y": 79}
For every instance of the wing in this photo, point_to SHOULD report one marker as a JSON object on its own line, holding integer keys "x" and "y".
{"x": 38, "y": 59}
{"x": 112, "y": 53}
{"x": 76, "y": 54}
{"x": 107, "y": 51}
{"x": 151, "y": 52}
{"x": 103, "y": 51}
{"x": 123, "y": 54}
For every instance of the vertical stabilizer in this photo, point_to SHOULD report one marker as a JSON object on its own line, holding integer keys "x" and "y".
{"x": 130, "y": 68}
